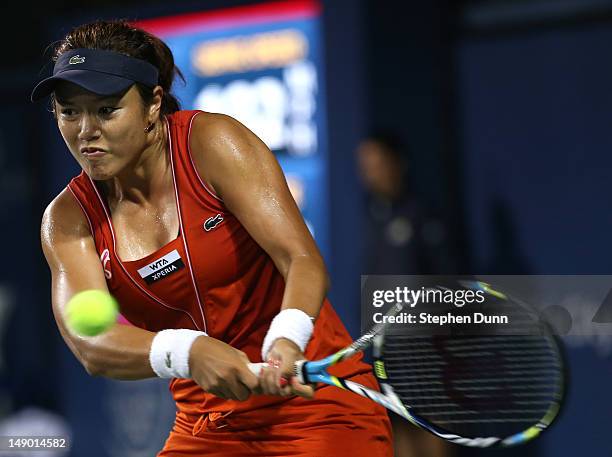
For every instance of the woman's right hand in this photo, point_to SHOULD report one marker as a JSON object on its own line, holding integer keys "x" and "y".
{"x": 221, "y": 369}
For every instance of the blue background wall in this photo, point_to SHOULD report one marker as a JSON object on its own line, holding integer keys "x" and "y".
{"x": 536, "y": 109}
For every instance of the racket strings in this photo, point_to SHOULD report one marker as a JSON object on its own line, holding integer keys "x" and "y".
{"x": 472, "y": 384}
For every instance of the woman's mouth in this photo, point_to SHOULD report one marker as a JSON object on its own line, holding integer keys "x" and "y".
{"x": 92, "y": 152}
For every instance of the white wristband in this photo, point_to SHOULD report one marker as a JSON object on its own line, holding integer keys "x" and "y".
{"x": 293, "y": 324}
{"x": 169, "y": 355}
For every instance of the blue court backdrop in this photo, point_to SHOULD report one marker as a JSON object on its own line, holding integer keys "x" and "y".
{"x": 536, "y": 108}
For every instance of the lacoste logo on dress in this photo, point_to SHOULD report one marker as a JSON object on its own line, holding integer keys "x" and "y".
{"x": 212, "y": 222}
{"x": 76, "y": 59}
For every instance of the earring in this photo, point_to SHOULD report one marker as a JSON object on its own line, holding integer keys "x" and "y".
{"x": 149, "y": 127}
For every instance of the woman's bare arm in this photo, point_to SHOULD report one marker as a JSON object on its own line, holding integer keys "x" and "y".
{"x": 242, "y": 170}
{"x": 245, "y": 174}
{"x": 120, "y": 353}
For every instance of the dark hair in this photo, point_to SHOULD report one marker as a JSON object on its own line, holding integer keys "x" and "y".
{"x": 393, "y": 143}
{"x": 122, "y": 37}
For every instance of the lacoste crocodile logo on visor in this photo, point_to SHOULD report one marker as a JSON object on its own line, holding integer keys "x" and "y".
{"x": 76, "y": 59}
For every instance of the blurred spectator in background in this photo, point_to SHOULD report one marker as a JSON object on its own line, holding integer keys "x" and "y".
{"x": 399, "y": 240}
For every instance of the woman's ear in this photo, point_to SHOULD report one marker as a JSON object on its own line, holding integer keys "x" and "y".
{"x": 155, "y": 106}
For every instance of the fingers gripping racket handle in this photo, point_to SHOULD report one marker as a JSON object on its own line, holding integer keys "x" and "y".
{"x": 256, "y": 369}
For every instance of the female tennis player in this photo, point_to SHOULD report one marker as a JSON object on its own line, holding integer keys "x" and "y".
{"x": 186, "y": 218}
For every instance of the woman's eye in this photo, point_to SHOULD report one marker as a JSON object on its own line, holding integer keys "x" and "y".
{"x": 107, "y": 110}
{"x": 67, "y": 111}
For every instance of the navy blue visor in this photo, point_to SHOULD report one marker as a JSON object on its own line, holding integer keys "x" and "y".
{"x": 99, "y": 71}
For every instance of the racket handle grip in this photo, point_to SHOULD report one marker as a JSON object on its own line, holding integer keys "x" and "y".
{"x": 256, "y": 370}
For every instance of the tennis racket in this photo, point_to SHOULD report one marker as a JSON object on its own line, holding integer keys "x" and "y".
{"x": 475, "y": 390}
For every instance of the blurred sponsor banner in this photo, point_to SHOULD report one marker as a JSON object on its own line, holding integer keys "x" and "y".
{"x": 262, "y": 65}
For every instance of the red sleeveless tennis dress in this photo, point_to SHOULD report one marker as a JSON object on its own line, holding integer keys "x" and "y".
{"x": 214, "y": 277}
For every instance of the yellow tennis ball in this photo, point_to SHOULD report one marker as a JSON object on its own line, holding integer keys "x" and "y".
{"x": 91, "y": 312}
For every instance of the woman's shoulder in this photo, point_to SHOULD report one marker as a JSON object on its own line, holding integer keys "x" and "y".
{"x": 63, "y": 217}
{"x": 195, "y": 115}
{"x": 203, "y": 123}
{"x": 215, "y": 131}
{"x": 203, "y": 119}
{"x": 220, "y": 146}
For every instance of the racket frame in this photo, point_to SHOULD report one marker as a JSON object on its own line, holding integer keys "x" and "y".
{"x": 309, "y": 372}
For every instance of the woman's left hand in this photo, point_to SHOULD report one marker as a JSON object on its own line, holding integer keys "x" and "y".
{"x": 281, "y": 359}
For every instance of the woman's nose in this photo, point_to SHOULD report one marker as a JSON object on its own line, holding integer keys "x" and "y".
{"x": 89, "y": 128}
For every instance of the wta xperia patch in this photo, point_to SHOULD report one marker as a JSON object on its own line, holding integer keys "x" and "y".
{"x": 162, "y": 267}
